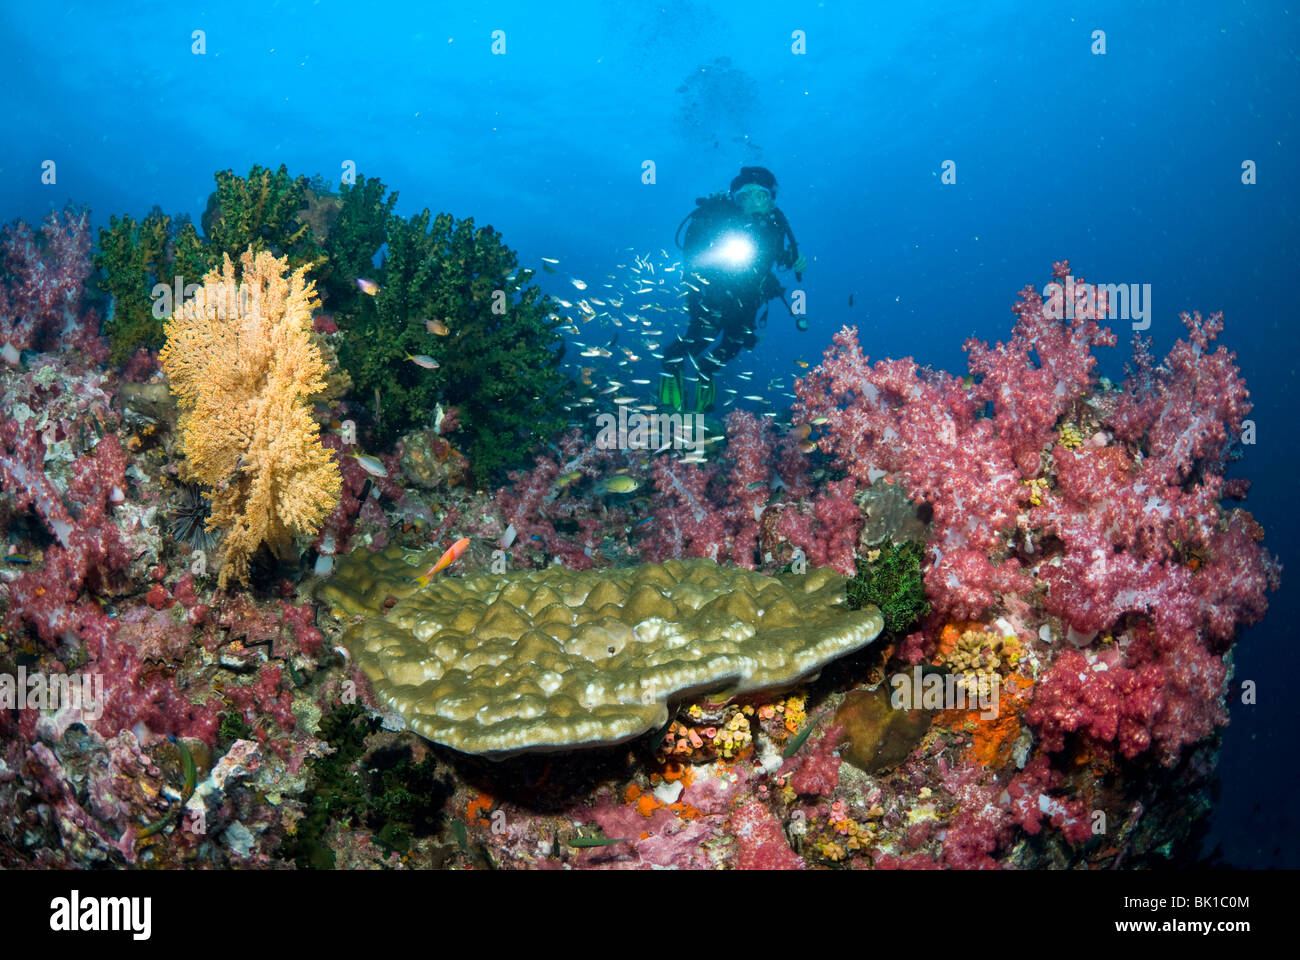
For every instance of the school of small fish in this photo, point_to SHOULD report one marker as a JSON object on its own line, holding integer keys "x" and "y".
{"x": 617, "y": 335}
{"x": 620, "y": 352}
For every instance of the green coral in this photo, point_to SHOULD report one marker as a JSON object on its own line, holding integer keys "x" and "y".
{"x": 337, "y": 789}
{"x": 391, "y": 794}
{"x": 266, "y": 210}
{"x": 893, "y": 582}
{"x": 357, "y": 232}
{"x": 263, "y": 210}
{"x": 233, "y": 727}
{"x": 134, "y": 257}
{"x": 500, "y": 363}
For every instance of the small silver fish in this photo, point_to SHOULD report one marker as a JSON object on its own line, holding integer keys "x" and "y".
{"x": 423, "y": 360}
{"x": 368, "y": 287}
{"x": 372, "y": 465}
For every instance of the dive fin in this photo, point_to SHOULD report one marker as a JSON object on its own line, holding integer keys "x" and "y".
{"x": 670, "y": 389}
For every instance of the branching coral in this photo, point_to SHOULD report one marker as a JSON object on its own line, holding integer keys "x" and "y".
{"x": 265, "y": 211}
{"x": 132, "y": 258}
{"x": 499, "y": 357}
{"x": 242, "y": 365}
{"x": 893, "y": 581}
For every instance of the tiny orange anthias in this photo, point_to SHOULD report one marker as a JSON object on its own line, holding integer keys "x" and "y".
{"x": 447, "y": 559}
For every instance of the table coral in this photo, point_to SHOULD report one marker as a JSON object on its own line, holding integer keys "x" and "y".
{"x": 556, "y": 658}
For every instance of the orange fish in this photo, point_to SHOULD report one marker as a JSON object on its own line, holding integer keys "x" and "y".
{"x": 446, "y": 560}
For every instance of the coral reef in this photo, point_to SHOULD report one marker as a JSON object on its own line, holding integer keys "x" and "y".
{"x": 555, "y": 658}
{"x": 892, "y": 581}
{"x": 722, "y": 511}
{"x": 265, "y": 211}
{"x": 42, "y": 285}
{"x": 1086, "y": 583}
{"x": 353, "y": 229}
{"x": 241, "y": 368}
{"x": 61, "y": 460}
{"x": 498, "y": 362}
{"x": 548, "y": 513}
{"x": 132, "y": 258}
{"x": 876, "y": 734}
{"x": 398, "y": 796}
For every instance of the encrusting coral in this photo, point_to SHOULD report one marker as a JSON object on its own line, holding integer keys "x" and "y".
{"x": 555, "y": 658}
{"x": 242, "y": 364}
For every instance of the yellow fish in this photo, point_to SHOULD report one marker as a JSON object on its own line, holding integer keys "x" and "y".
{"x": 372, "y": 465}
{"x": 622, "y": 484}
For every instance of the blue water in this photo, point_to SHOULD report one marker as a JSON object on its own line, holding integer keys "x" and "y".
{"x": 1128, "y": 163}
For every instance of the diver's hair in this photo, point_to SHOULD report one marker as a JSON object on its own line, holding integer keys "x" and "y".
{"x": 759, "y": 175}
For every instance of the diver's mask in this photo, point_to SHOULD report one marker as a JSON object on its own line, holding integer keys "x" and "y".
{"x": 755, "y": 199}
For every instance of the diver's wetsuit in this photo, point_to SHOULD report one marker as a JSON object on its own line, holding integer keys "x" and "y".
{"x": 731, "y": 297}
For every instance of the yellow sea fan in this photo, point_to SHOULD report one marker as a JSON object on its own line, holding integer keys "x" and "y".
{"x": 240, "y": 360}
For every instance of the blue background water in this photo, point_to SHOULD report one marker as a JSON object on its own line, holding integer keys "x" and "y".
{"x": 1129, "y": 164}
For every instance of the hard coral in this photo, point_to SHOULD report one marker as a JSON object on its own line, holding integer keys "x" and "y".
{"x": 261, "y": 212}
{"x": 132, "y": 258}
{"x": 556, "y": 658}
{"x": 892, "y": 581}
{"x": 500, "y": 363}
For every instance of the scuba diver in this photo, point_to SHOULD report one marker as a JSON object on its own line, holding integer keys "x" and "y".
{"x": 732, "y": 242}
